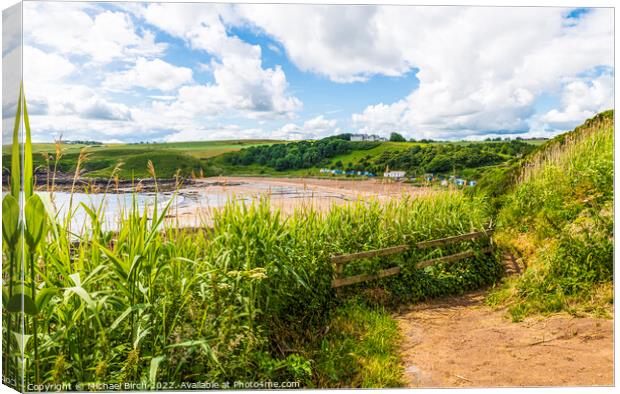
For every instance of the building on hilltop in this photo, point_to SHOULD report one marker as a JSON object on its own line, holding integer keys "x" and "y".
{"x": 366, "y": 137}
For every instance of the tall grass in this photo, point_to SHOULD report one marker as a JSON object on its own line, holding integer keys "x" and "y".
{"x": 155, "y": 303}
{"x": 241, "y": 299}
{"x": 559, "y": 218}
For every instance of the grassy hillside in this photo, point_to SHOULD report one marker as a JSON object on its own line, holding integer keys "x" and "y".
{"x": 188, "y": 157}
{"x": 469, "y": 159}
{"x": 558, "y": 217}
{"x": 211, "y": 158}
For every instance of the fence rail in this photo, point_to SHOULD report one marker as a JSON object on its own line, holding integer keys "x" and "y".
{"x": 365, "y": 277}
{"x": 343, "y": 258}
{"x": 456, "y": 238}
{"x": 340, "y": 260}
{"x": 453, "y": 257}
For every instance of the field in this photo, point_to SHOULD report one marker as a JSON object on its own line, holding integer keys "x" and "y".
{"x": 187, "y": 157}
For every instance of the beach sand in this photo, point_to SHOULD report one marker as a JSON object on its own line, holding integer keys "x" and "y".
{"x": 285, "y": 194}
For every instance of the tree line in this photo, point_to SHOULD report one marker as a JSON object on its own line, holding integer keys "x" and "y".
{"x": 444, "y": 157}
{"x": 432, "y": 158}
{"x": 296, "y": 155}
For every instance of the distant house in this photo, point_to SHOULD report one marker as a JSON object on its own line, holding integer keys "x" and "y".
{"x": 394, "y": 174}
{"x": 428, "y": 177}
{"x": 444, "y": 182}
{"x": 366, "y": 137}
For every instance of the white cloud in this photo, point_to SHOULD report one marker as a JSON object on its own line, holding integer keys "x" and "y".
{"x": 41, "y": 67}
{"x": 67, "y": 48}
{"x": 83, "y": 102}
{"x": 346, "y": 43}
{"x": 225, "y": 132}
{"x": 311, "y": 129}
{"x": 11, "y": 68}
{"x": 252, "y": 92}
{"x": 150, "y": 74}
{"x": 240, "y": 84}
{"x": 102, "y": 38}
{"x": 479, "y": 68}
{"x": 581, "y": 99}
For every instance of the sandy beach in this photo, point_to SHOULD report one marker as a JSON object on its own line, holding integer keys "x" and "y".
{"x": 285, "y": 194}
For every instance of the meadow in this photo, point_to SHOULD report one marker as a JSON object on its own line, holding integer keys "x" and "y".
{"x": 188, "y": 157}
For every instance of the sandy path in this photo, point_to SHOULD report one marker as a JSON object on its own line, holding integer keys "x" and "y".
{"x": 460, "y": 342}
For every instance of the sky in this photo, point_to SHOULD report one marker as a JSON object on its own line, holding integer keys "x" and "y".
{"x": 129, "y": 72}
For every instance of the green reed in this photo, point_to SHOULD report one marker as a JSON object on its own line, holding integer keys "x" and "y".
{"x": 236, "y": 299}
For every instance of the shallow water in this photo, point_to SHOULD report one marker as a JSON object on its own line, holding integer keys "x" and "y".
{"x": 113, "y": 206}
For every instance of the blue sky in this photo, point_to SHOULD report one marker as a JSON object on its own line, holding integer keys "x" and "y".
{"x": 126, "y": 72}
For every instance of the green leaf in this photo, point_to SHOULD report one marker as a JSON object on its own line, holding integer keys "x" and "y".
{"x": 80, "y": 291}
{"x": 16, "y": 164}
{"x": 121, "y": 318}
{"x": 155, "y": 361}
{"x": 22, "y": 340}
{"x": 15, "y": 304}
{"x": 5, "y": 297}
{"x": 140, "y": 336}
{"x": 36, "y": 221}
{"x": 44, "y": 296}
{"x": 28, "y": 165}
{"x": 10, "y": 220}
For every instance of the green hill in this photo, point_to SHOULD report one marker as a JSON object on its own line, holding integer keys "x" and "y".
{"x": 469, "y": 159}
{"x": 557, "y": 216}
{"x": 279, "y": 158}
{"x": 101, "y": 159}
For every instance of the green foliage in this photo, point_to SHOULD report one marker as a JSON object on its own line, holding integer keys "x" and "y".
{"x": 10, "y": 221}
{"x": 446, "y": 157}
{"x": 374, "y": 157}
{"x": 296, "y": 155}
{"x": 210, "y": 305}
{"x": 36, "y": 221}
{"x": 15, "y": 158}
{"x": 188, "y": 157}
{"x": 559, "y": 216}
{"x": 360, "y": 350}
{"x": 396, "y": 137}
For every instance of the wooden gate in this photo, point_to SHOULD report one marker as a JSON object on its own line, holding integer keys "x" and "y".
{"x": 340, "y": 260}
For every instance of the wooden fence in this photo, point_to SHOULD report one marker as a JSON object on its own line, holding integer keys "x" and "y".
{"x": 340, "y": 260}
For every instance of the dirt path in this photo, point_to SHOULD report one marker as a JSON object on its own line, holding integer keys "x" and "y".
{"x": 460, "y": 342}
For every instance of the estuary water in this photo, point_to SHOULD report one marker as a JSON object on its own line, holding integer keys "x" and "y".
{"x": 186, "y": 202}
